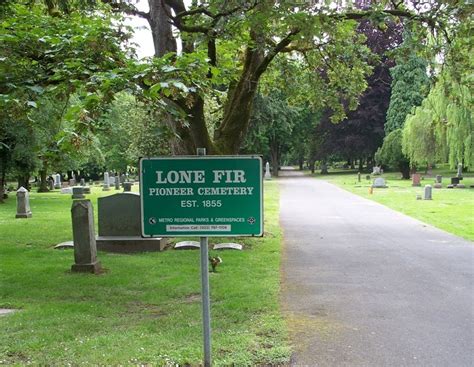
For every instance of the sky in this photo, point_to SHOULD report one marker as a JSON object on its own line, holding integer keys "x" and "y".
{"x": 142, "y": 33}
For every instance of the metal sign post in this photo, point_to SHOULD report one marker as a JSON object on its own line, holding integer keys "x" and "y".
{"x": 206, "y": 308}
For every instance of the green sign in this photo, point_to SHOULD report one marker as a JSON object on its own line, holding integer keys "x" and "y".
{"x": 201, "y": 196}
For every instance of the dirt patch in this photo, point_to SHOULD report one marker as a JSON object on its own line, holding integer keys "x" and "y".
{"x": 193, "y": 297}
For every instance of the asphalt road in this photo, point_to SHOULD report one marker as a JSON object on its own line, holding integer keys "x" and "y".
{"x": 364, "y": 285}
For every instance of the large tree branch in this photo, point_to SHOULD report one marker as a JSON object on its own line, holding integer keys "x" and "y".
{"x": 126, "y": 8}
{"x": 279, "y": 47}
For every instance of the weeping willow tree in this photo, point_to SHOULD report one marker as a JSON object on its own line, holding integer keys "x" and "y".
{"x": 441, "y": 129}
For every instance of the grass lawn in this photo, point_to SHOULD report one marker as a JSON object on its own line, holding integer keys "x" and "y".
{"x": 145, "y": 309}
{"x": 451, "y": 209}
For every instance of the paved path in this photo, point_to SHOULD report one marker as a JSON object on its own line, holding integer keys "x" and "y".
{"x": 364, "y": 285}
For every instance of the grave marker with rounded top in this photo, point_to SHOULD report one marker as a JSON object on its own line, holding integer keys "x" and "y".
{"x": 459, "y": 173}
{"x": 23, "y": 203}
{"x": 57, "y": 181}
{"x": 117, "y": 182}
{"x": 427, "y": 194}
{"x": 85, "y": 250}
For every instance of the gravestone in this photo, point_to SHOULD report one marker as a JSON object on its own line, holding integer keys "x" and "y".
{"x": 376, "y": 170}
{"x": 122, "y": 178}
{"x": 416, "y": 179}
{"x": 72, "y": 182}
{"x": 50, "y": 184}
{"x": 117, "y": 183}
{"x": 268, "y": 175}
{"x": 64, "y": 245}
{"x": 228, "y": 246}
{"x": 439, "y": 179}
{"x": 78, "y": 192}
{"x": 85, "y": 251}
{"x": 111, "y": 180}
{"x": 87, "y": 190}
{"x": 91, "y": 182}
{"x": 127, "y": 187}
{"x": 57, "y": 181}
{"x": 83, "y": 182}
{"x": 379, "y": 182}
{"x": 23, "y": 203}
{"x": 427, "y": 193}
{"x": 66, "y": 190}
{"x": 459, "y": 173}
{"x": 120, "y": 225}
{"x": 454, "y": 181}
{"x": 106, "y": 186}
{"x": 187, "y": 245}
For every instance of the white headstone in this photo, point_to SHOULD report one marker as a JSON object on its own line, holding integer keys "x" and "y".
{"x": 459, "y": 174}
{"x": 106, "y": 186}
{"x": 23, "y": 203}
{"x": 187, "y": 245}
{"x": 228, "y": 246}
{"x": 376, "y": 170}
{"x": 268, "y": 175}
{"x": 379, "y": 182}
{"x": 57, "y": 181}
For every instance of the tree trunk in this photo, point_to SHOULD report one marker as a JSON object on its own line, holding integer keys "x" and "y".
{"x": 24, "y": 181}
{"x": 3, "y": 172}
{"x": 160, "y": 26}
{"x": 230, "y": 134}
{"x": 43, "y": 181}
{"x": 361, "y": 165}
{"x": 300, "y": 163}
{"x": 405, "y": 170}
{"x": 275, "y": 158}
{"x": 324, "y": 168}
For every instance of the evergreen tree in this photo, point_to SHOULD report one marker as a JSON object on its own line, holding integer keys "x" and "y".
{"x": 409, "y": 87}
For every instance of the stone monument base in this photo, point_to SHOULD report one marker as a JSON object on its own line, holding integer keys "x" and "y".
{"x": 23, "y": 215}
{"x": 130, "y": 244}
{"x": 94, "y": 268}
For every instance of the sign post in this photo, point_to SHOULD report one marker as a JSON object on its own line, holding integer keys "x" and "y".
{"x": 204, "y": 196}
{"x": 206, "y": 307}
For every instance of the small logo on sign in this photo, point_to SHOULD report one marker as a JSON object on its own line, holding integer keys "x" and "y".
{"x": 152, "y": 220}
{"x": 251, "y": 220}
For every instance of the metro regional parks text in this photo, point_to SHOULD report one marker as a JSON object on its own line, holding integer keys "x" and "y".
{"x": 203, "y": 191}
